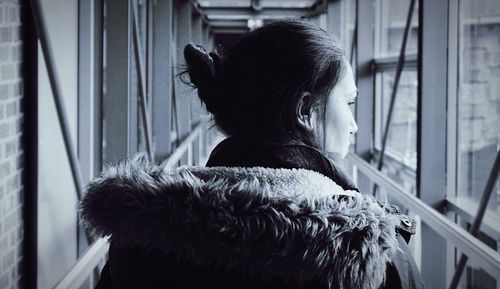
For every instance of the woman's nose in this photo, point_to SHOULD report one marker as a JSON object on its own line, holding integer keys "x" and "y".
{"x": 354, "y": 127}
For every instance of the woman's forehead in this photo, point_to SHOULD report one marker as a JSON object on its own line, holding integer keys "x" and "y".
{"x": 346, "y": 86}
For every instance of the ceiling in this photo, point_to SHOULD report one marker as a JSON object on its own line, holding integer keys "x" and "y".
{"x": 243, "y": 15}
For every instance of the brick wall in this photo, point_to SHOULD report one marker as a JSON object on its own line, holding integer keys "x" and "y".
{"x": 11, "y": 154}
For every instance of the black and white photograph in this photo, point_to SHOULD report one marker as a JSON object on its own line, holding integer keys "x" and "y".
{"x": 249, "y": 144}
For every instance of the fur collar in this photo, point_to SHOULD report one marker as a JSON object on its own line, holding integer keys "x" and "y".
{"x": 286, "y": 223}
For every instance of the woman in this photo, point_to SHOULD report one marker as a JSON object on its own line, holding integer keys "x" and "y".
{"x": 270, "y": 209}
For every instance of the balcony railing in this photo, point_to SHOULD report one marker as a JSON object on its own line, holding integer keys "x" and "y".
{"x": 97, "y": 252}
{"x": 472, "y": 247}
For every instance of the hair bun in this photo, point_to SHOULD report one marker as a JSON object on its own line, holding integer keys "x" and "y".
{"x": 200, "y": 63}
{"x": 202, "y": 72}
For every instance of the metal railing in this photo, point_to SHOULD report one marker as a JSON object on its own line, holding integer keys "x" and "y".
{"x": 92, "y": 257}
{"x": 464, "y": 241}
{"x": 85, "y": 265}
{"x": 478, "y": 219}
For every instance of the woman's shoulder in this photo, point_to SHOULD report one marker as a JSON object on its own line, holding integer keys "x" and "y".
{"x": 274, "y": 221}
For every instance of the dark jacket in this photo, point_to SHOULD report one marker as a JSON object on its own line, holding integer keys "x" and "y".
{"x": 261, "y": 215}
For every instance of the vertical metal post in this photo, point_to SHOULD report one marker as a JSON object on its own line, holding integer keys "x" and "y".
{"x": 431, "y": 125}
{"x": 204, "y": 133}
{"x": 98, "y": 84}
{"x": 452, "y": 125}
{"x": 162, "y": 78}
{"x": 365, "y": 19}
{"x": 354, "y": 44}
{"x": 334, "y": 18}
{"x": 196, "y": 107}
{"x": 139, "y": 65}
{"x": 85, "y": 139}
{"x": 30, "y": 147}
{"x": 182, "y": 92}
{"x": 86, "y": 87}
{"x": 116, "y": 100}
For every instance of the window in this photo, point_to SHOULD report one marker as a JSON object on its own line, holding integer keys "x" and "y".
{"x": 390, "y": 23}
{"x": 478, "y": 116}
{"x": 400, "y": 152}
{"x": 57, "y": 217}
{"x": 459, "y": 90}
{"x": 347, "y": 39}
{"x": 348, "y": 26}
{"x": 478, "y": 133}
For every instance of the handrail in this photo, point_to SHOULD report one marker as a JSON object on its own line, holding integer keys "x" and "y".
{"x": 89, "y": 260}
{"x": 467, "y": 208}
{"x": 488, "y": 258}
{"x": 478, "y": 219}
{"x": 183, "y": 146}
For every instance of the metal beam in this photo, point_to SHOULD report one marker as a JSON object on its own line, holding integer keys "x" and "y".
{"x": 333, "y": 12}
{"x": 182, "y": 91}
{"x": 246, "y": 17}
{"x": 85, "y": 132}
{"x": 235, "y": 13}
{"x": 197, "y": 10}
{"x": 249, "y": 12}
{"x": 228, "y": 30}
{"x": 263, "y": 4}
{"x": 86, "y": 88}
{"x": 431, "y": 136}
{"x": 195, "y": 104}
{"x": 228, "y": 23}
{"x": 162, "y": 77}
{"x": 98, "y": 83}
{"x": 116, "y": 100}
{"x": 30, "y": 148}
{"x": 391, "y": 62}
{"x": 365, "y": 19}
{"x": 139, "y": 65}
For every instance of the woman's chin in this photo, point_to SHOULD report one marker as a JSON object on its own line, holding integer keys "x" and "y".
{"x": 337, "y": 156}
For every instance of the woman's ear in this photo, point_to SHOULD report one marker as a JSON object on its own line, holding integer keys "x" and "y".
{"x": 305, "y": 114}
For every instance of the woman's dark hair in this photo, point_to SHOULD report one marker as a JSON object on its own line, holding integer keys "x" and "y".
{"x": 255, "y": 88}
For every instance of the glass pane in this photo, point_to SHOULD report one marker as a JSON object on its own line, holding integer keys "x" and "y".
{"x": 348, "y": 24}
{"x": 478, "y": 118}
{"x": 391, "y": 20}
{"x": 402, "y": 137}
{"x": 478, "y": 97}
{"x": 57, "y": 199}
{"x": 400, "y": 159}
{"x": 348, "y": 12}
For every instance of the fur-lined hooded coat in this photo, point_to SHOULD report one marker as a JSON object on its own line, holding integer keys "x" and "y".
{"x": 242, "y": 227}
